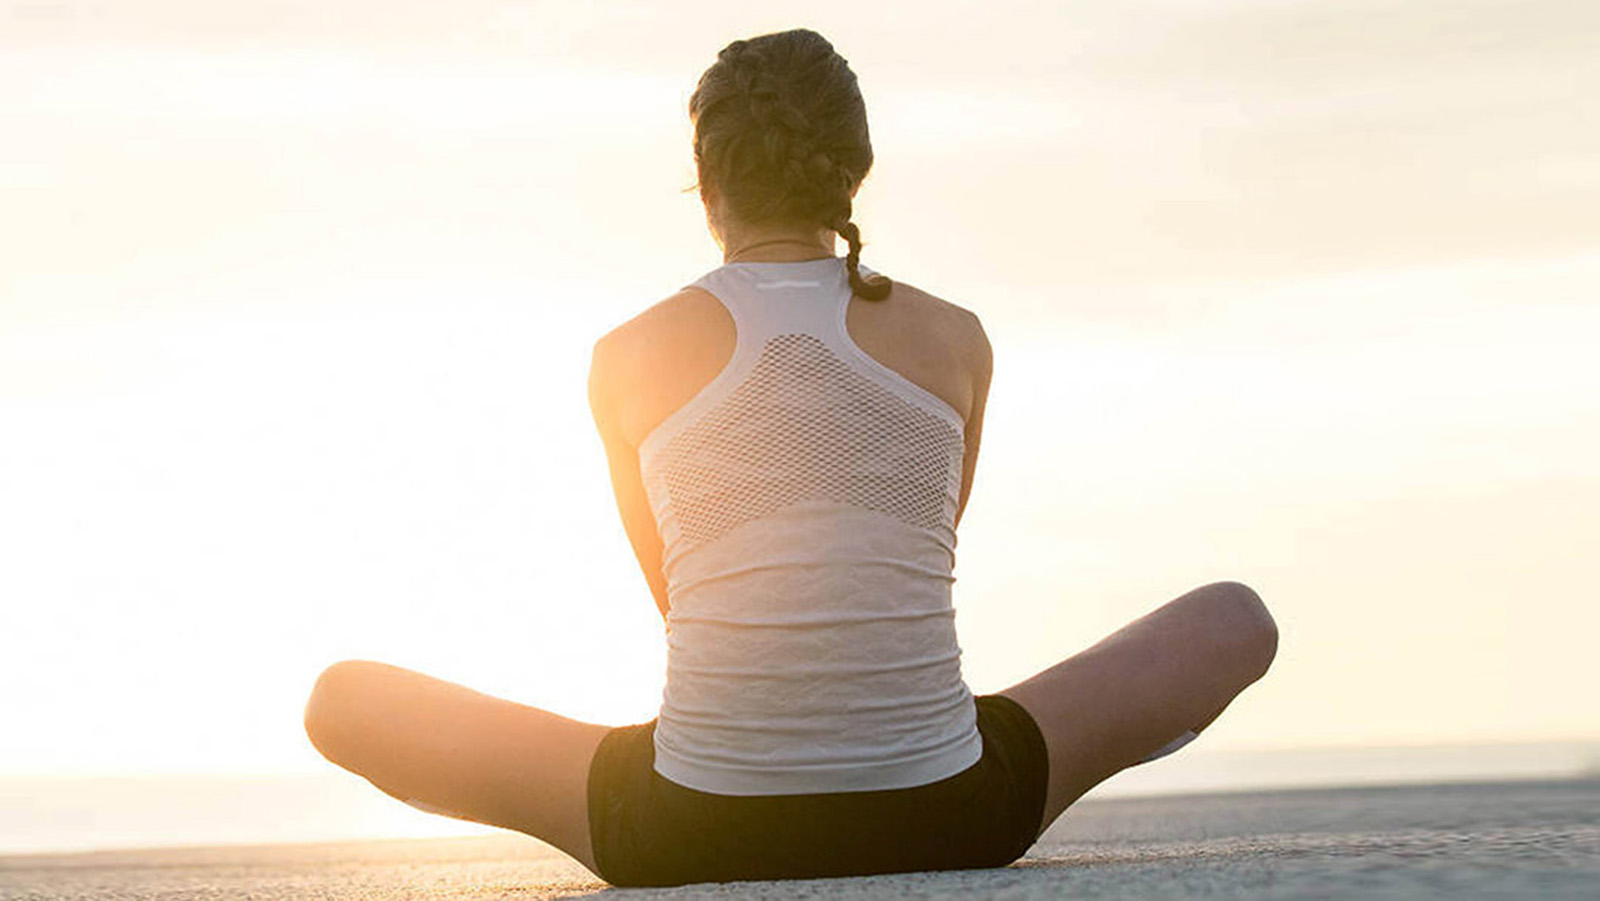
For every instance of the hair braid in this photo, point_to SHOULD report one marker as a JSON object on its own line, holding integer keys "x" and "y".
{"x": 875, "y": 288}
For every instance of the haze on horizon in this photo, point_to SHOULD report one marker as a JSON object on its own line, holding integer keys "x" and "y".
{"x": 296, "y": 302}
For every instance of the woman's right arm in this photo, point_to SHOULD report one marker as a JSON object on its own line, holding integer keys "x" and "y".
{"x": 622, "y": 458}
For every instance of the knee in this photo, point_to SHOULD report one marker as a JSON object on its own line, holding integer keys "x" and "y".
{"x": 334, "y": 710}
{"x": 1248, "y": 626}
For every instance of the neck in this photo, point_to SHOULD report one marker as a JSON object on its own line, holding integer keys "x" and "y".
{"x": 776, "y": 245}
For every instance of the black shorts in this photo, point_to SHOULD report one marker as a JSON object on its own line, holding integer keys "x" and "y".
{"x": 648, "y": 830}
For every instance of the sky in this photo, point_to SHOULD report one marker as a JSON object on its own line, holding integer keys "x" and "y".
{"x": 297, "y": 299}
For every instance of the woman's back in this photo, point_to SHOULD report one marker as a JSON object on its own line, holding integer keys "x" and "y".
{"x": 805, "y": 500}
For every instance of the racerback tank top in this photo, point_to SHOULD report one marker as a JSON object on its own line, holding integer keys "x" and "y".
{"x": 806, "y": 502}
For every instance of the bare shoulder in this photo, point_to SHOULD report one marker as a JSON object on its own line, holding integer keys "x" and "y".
{"x": 647, "y": 366}
{"x": 957, "y": 327}
{"x": 689, "y": 311}
{"x": 932, "y": 342}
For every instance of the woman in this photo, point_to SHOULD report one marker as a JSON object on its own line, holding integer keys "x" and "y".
{"x": 792, "y": 440}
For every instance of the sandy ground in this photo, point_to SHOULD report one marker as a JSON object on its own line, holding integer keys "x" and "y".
{"x": 1500, "y": 840}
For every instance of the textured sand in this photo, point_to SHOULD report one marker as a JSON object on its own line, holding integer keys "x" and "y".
{"x": 1504, "y": 840}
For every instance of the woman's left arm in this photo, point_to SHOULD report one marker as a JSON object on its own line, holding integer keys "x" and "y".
{"x": 981, "y": 365}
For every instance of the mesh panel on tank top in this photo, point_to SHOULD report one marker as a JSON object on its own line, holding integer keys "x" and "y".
{"x": 804, "y": 426}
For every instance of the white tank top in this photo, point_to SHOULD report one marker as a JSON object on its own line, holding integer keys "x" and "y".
{"x": 806, "y": 499}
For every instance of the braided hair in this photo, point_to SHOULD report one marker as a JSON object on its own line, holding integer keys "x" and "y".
{"x": 780, "y": 130}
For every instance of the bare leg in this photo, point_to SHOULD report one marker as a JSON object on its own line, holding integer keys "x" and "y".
{"x": 1167, "y": 673}
{"x": 455, "y": 751}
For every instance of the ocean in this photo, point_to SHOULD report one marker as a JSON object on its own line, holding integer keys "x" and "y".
{"x": 68, "y": 813}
